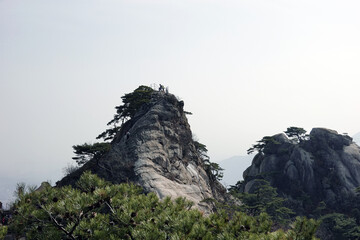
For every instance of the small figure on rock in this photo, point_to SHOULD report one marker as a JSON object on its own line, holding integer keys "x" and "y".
{"x": 161, "y": 88}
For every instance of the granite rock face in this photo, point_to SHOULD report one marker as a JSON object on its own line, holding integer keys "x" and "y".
{"x": 326, "y": 167}
{"x": 155, "y": 150}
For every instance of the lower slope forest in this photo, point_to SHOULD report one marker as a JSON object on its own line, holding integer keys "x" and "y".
{"x": 97, "y": 209}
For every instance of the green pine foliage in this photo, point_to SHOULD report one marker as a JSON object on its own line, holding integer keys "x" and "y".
{"x": 214, "y": 171}
{"x": 297, "y": 134}
{"x": 132, "y": 102}
{"x": 303, "y": 229}
{"x": 261, "y": 145}
{"x": 3, "y": 232}
{"x": 100, "y": 210}
{"x": 202, "y": 150}
{"x": 87, "y": 151}
{"x": 341, "y": 226}
{"x": 264, "y": 198}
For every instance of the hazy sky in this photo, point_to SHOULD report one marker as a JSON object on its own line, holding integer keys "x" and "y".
{"x": 245, "y": 69}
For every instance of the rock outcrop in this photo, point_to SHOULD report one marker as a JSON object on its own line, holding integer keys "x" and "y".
{"x": 326, "y": 167}
{"x": 155, "y": 150}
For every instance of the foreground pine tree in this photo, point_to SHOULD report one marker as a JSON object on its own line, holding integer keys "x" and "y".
{"x": 100, "y": 210}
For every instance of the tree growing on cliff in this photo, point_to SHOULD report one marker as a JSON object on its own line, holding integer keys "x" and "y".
{"x": 297, "y": 134}
{"x": 132, "y": 102}
{"x": 261, "y": 145}
{"x": 213, "y": 169}
{"x": 86, "y": 151}
{"x": 202, "y": 150}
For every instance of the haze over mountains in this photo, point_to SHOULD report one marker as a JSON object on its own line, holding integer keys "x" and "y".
{"x": 234, "y": 167}
{"x": 151, "y": 145}
{"x": 356, "y": 138}
{"x": 233, "y": 172}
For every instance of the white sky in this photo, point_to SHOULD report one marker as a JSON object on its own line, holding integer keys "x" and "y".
{"x": 245, "y": 68}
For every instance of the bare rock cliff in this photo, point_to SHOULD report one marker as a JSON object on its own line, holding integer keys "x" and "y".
{"x": 155, "y": 150}
{"x": 324, "y": 168}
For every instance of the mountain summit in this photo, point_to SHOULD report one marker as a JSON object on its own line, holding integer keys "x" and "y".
{"x": 325, "y": 167}
{"x": 155, "y": 149}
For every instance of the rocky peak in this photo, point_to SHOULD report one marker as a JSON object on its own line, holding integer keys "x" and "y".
{"x": 281, "y": 138}
{"x": 326, "y": 167}
{"x": 326, "y": 138}
{"x": 155, "y": 150}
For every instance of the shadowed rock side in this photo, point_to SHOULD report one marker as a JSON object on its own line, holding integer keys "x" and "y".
{"x": 324, "y": 168}
{"x": 155, "y": 150}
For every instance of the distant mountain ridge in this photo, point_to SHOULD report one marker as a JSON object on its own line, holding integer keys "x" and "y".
{"x": 233, "y": 168}
{"x": 356, "y": 138}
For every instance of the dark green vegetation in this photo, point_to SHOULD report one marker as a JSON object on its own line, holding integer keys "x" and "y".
{"x": 299, "y": 134}
{"x": 87, "y": 151}
{"x": 295, "y": 133}
{"x": 261, "y": 145}
{"x": 264, "y": 198}
{"x": 97, "y": 209}
{"x": 132, "y": 102}
{"x": 266, "y": 143}
{"x": 341, "y": 226}
{"x": 3, "y": 231}
{"x": 213, "y": 169}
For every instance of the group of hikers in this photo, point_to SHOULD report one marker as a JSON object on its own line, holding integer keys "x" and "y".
{"x": 163, "y": 89}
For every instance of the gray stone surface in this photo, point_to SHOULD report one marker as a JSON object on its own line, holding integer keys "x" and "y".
{"x": 155, "y": 150}
{"x": 326, "y": 167}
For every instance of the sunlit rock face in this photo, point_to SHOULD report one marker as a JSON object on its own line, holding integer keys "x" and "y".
{"x": 325, "y": 168}
{"x": 155, "y": 150}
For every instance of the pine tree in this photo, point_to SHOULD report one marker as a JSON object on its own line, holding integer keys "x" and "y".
{"x": 261, "y": 145}
{"x": 264, "y": 198}
{"x": 213, "y": 169}
{"x": 296, "y": 133}
{"x": 97, "y": 209}
{"x": 87, "y": 151}
{"x": 132, "y": 102}
{"x": 3, "y": 231}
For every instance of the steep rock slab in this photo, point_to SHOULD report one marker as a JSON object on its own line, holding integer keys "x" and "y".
{"x": 155, "y": 150}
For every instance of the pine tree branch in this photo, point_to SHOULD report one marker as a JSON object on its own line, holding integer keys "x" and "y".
{"x": 56, "y": 224}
